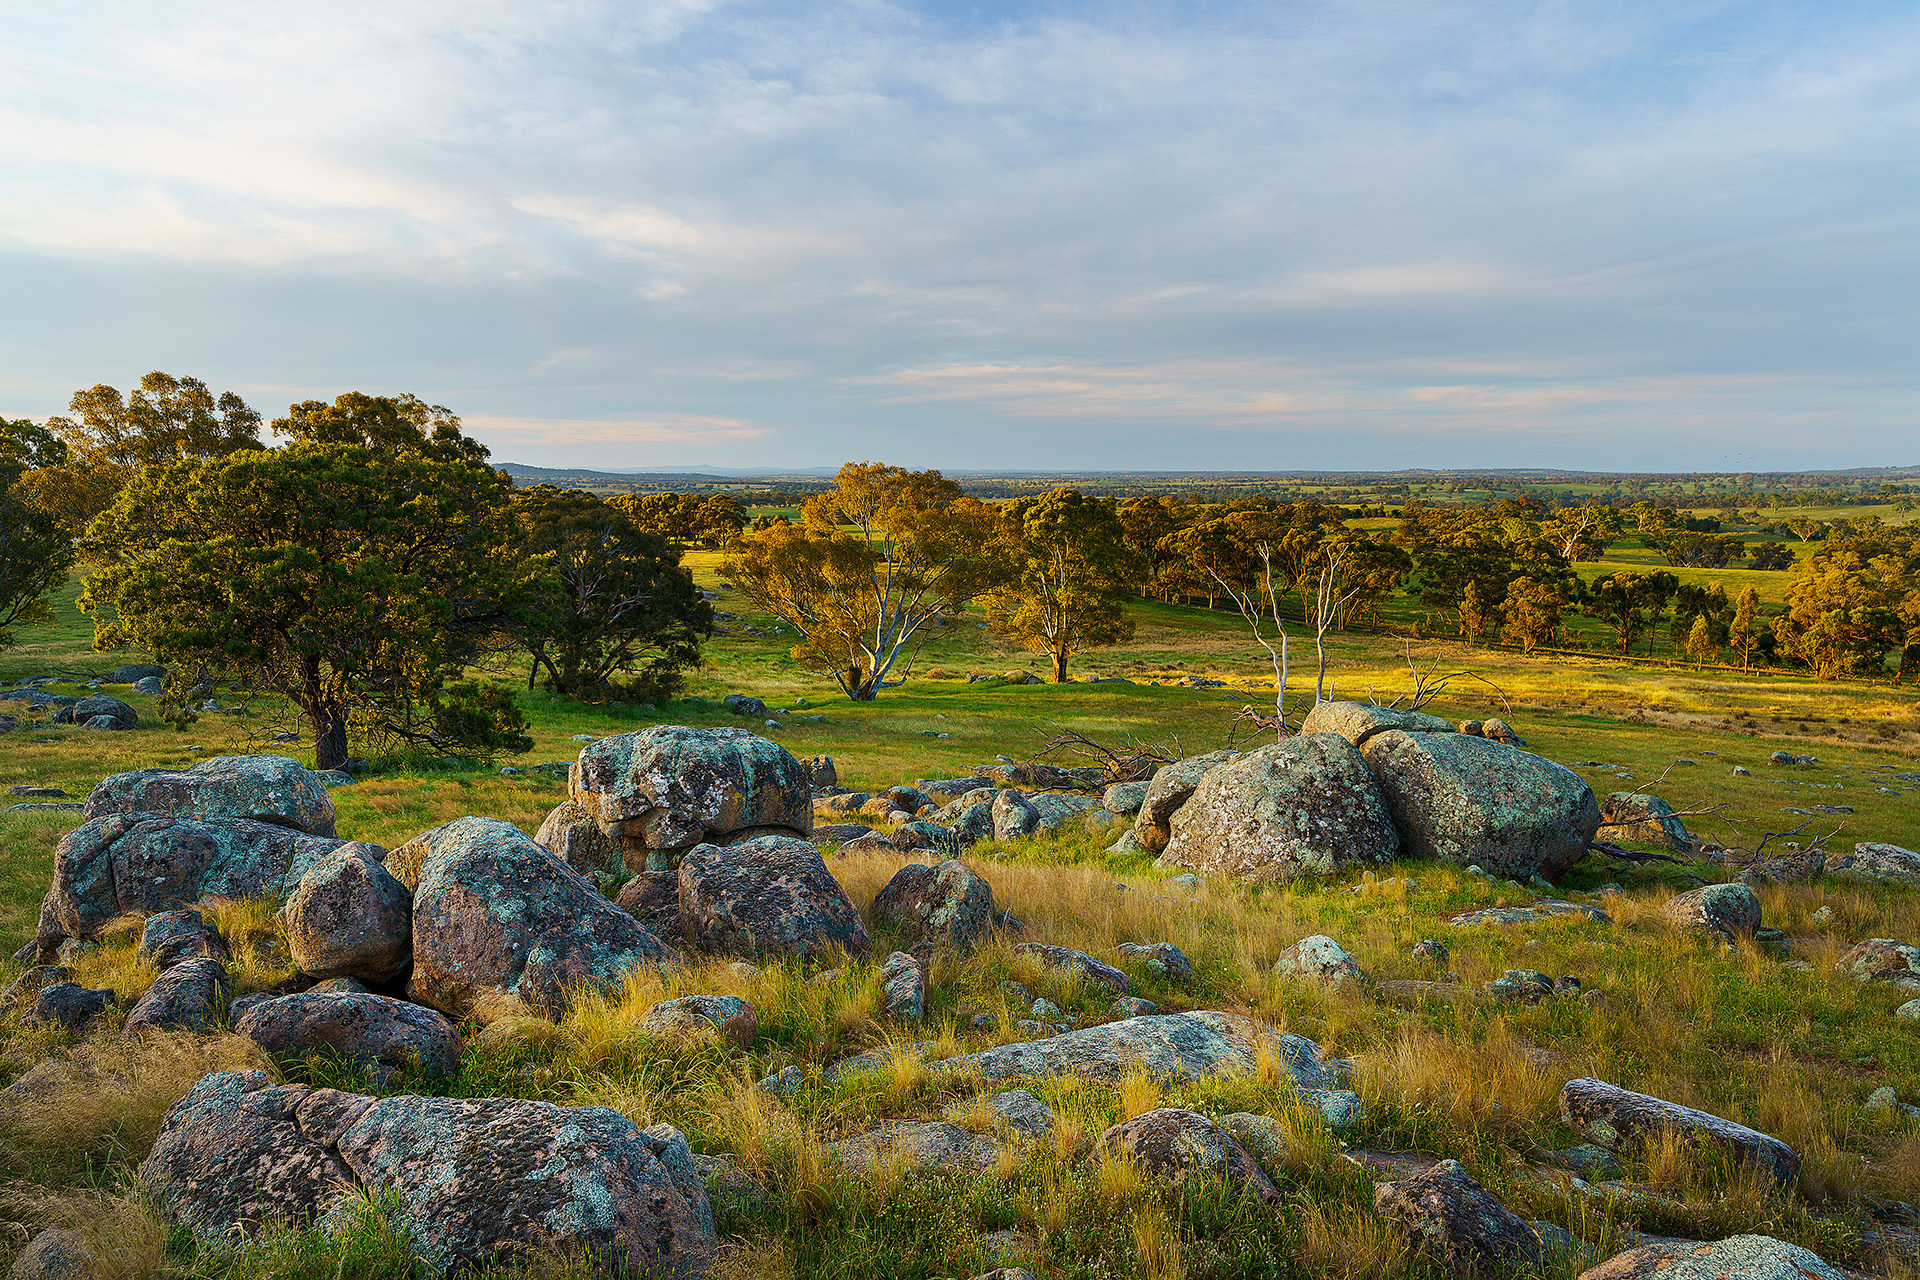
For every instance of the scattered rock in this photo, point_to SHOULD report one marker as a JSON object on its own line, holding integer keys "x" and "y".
{"x": 272, "y": 789}
{"x": 1499, "y": 730}
{"x": 1723, "y": 911}
{"x": 1132, "y": 1007}
{"x": 502, "y": 926}
{"x": 1638, "y": 818}
{"x": 1450, "y": 1216}
{"x": 1079, "y": 964}
{"x": 366, "y": 1028}
{"x": 919, "y": 1146}
{"x": 1430, "y": 949}
{"x": 1319, "y": 958}
{"x": 173, "y": 936}
{"x": 1015, "y": 1110}
{"x": 1165, "y": 1046}
{"x": 1304, "y": 807}
{"x": 1735, "y": 1258}
{"x": 1125, "y": 797}
{"x": 1882, "y": 960}
{"x": 1161, "y": 959}
{"x": 1171, "y": 1143}
{"x": 1544, "y": 909}
{"x": 1618, "y": 1119}
{"x": 1476, "y": 801}
{"x": 768, "y": 896}
{"x": 733, "y": 1019}
{"x": 903, "y": 986}
{"x": 349, "y": 917}
{"x": 1873, "y": 861}
{"x": 25, "y": 988}
{"x": 1262, "y": 1137}
{"x": 117, "y": 714}
{"x": 480, "y": 1181}
{"x": 949, "y": 903}
{"x": 68, "y": 1005}
{"x": 188, "y": 996}
{"x": 915, "y": 835}
{"x": 1013, "y": 816}
{"x": 36, "y": 793}
{"x": 55, "y": 1254}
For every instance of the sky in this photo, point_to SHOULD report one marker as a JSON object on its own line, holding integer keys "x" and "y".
{"x": 1036, "y": 236}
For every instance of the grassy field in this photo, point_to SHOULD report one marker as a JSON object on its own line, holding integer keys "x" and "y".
{"x": 1730, "y": 1030}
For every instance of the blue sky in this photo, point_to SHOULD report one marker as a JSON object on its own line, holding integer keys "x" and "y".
{"x": 1655, "y": 236}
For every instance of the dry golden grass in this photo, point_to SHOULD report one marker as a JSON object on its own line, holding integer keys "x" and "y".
{"x": 1156, "y": 1243}
{"x": 1139, "y": 1094}
{"x": 119, "y": 1231}
{"x": 1344, "y": 1241}
{"x": 106, "y": 1101}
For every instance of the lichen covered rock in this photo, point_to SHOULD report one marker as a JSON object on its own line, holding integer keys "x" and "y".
{"x": 661, "y": 791}
{"x": 1619, "y": 1119}
{"x": 1358, "y": 721}
{"x": 1167, "y": 1046}
{"x": 729, "y": 1017}
{"x": 577, "y": 839}
{"x": 502, "y": 926}
{"x": 768, "y": 896}
{"x": 272, "y": 789}
{"x": 1449, "y": 1215}
{"x": 1473, "y": 801}
{"x": 949, "y": 903}
{"x": 1723, "y": 911}
{"x": 349, "y": 918}
{"x": 1171, "y": 1143}
{"x": 1078, "y": 964}
{"x": 1638, "y": 818}
{"x": 361, "y": 1026}
{"x": 1304, "y": 807}
{"x": 1171, "y": 787}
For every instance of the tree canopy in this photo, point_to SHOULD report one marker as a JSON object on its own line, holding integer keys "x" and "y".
{"x": 356, "y": 582}
{"x": 1069, "y": 572}
{"x": 611, "y": 608}
{"x": 381, "y": 422}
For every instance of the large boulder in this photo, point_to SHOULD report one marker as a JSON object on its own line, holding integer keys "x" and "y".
{"x": 948, "y": 904}
{"x": 1871, "y": 860}
{"x": 86, "y": 710}
{"x": 1619, "y": 1120}
{"x": 478, "y": 1181}
{"x": 502, "y": 926}
{"x": 1171, "y": 1143}
{"x": 768, "y": 896}
{"x": 272, "y": 789}
{"x": 1735, "y": 1258}
{"x": 1724, "y": 911}
{"x": 1471, "y": 800}
{"x": 1639, "y": 818}
{"x": 1304, "y": 807}
{"x": 1458, "y": 1221}
{"x": 577, "y": 839}
{"x": 1167, "y": 1046}
{"x": 1358, "y": 721}
{"x": 150, "y": 862}
{"x": 1172, "y": 787}
{"x": 349, "y": 918}
{"x": 663, "y": 790}
{"x": 369, "y": 1029}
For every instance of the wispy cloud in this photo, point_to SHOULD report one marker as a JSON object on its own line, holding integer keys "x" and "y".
{"x": 802, "y": 232}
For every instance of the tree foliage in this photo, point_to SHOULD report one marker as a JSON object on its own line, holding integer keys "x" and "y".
{"x": 1069, "y": 570}
{"x": 878, "y": 560}
{"x": 613, "y": 610}
{"x": 385, "y": 423}
{"x": 35, "y": 549}
{"x": 356, "y": 582}
{"x": 1630, "y": 603}
{"x": 709, "y": 520}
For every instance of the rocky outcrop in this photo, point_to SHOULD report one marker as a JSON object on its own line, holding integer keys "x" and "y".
{"x": 1724, "y": 911}
{"x": 1473, "y": 801}
{"x": 365, "y": 1028}
{"x": 1304, "y": 807}
{"x": 502, "y": 926}
{"x": 1450, "y": 1216}
{"x": 1171, "y": 1143}
{"x": 149, "y": 862}
{"x": 1172, "y": 787}
{"x": 768, "y": 896}
{"x": 1619, "y": 1120}
{"x": 1735, "y": 1258}
{"x": 948, "y": 904}
{"x": 661, "y": 791}
{"x": 1164, "y": 1045}
{"x": 349, "y": 918}
{"x": 172, "y": 936}
{"x": 577, "y": 839}
{"x": 1358, "y": 721}
{"x": 272, "y": 789}
{"x": 478, "y": 1181}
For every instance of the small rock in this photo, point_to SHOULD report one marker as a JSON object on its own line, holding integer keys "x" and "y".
{"x": 1162, "y": 959}
{"x": 69, "y": 1005}
{"x": 1171, "y": 1143}
{"x": 1077, "y": 963}
{"x": 1723, "y": 911}
{"x": 733, "y": 1019}
{"x": 903, "y": 985}
{"x": 1456, "y": 1219}
{"x": 1136, "y": 1006}
{"x": 1616, "y": 1118}
{"x": 1319, "y": 958}
{"x": 1016, "y": 1110}
{"x": 1431, "y": 949}
{"x": 55, "y": 1254}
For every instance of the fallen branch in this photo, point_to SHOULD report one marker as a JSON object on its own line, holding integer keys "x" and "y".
{"x": 1636, "y": 856}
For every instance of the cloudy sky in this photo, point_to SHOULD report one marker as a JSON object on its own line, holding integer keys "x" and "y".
{"x": 1104, "y": 236}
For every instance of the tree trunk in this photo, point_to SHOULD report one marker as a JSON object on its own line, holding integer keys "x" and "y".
{"x": 329, "y": 738}
{"x": 1060, "y": 667}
